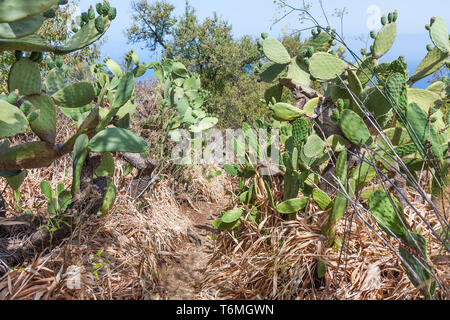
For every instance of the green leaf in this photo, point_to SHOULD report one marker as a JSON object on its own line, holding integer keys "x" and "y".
{"x": 232, "y": 215}
{"x": 117, "y": 140}
{"x": 46, "y": 189}
{"x": 292, "y": 205}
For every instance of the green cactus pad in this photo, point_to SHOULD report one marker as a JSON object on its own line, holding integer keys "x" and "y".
{"x": 114, "y": 67}
{"x": 424, "y": 131}
{"x": 124, "y": 90}
{"x": 272, "y": 71}
{"x": 298, "y": 73}
{"x": 354, "y": 128}
{"x": 406, "y": 150}
{"x": 16, "y": 181}
{"x": 384, "y": 40}
{"x": 275, "y": 51}
{"x": 292, "y": 205}
{"x": 12, "y": 120}
{"x": 286, "y": 112}
{"x": 398, "y": 136}
{"x": 275, "y": 92}
{"x": 386, "y": 216}
{"x": 25, "y": 76}
{"x": 325, "y": 66}
{"x": 84, "y": 37}
{"x": 313, "y": 146}
{"x": 321, "y": 42}
{"x": 322, "y": 199}
{"x": 28, "y": 156}
{"x": 14, "y": 10}
{"x": 433, "y": 61}
{"x": 310, "y": 107}
{"x": 75, "y": 95}
{"x": 439, "y": 34}
{"x": 45, "y": 125}
{"x": 300, "y": 129}
{"x": 109, "y": 198}
{"x": 117, "y": 140}
{"x": 20, "y": 29}
{"x": 55, "y": 81}
{"x": 338, "y": 143}
{"x": 354, "y": 83}
{"x": 424, "y": 98}
{"x": 79, "y": 155}
{"x": 106, "y": 166}
{"x": 396, "y": 86}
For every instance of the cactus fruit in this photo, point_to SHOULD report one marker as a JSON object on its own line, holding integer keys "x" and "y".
{"x": 100, "y": 24}
{"x": 354, "y": 128}
{"x": 383, "y": 20}
{"x": 395, "y": 16}
{"x": 429, "y": 47}
{"x": 275, "y": 51}
{"x": 264, "y": 35}
{"x": 292, "y": 205}
{"x": 286, "y": 112}
{"x": 325, "y": 66}
{"x": 31, "y": 117}
{"x": 112, "y": 13}
{"x": 439, "y": 34}
{"x": 373, "y": 34}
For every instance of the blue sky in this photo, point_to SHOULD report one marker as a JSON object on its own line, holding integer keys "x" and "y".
{"x": 255, "y": 16}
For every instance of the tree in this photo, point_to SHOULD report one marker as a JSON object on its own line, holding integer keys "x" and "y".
{"x": 225, "y": 64}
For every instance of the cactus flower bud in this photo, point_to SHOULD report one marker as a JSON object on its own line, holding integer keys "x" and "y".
{"x": 427, "y": 26}
{"x": 91, "y": 13}
{"x": 363, "y": 51}
{"x": 112, "y": 13}
{"x": 390, "y": 17}
{"x": 395, "y": 16}
{"x": 373, "y": 34}
{"x": 13, "y": 97}
{"x": 264, "y": 35}
{"x": 99, "y": 8}
{"x": 383, "y": 20}
{"x": 429, "y": 47}
{"x": 432, "y": 20}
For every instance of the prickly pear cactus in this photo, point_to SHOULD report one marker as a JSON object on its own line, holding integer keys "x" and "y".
{"x": 93, "y": 105}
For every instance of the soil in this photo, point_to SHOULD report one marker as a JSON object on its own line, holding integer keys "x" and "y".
{"x": 182, "y": 273}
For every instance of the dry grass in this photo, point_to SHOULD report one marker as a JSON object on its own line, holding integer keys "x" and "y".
{"x": 277, "y": 259}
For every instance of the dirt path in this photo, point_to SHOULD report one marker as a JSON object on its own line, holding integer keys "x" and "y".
{"x": 181, "y": 275}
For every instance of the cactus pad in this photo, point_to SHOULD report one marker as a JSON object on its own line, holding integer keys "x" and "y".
{"x": 424, "y": 98}
{"x": 25, "y": 76}
{"x": 75, "y": 95}
{"x": 22, "y": 28}
{"x": 45, "y": 125}
{"x": 433, "y": 61}
{"x": 272, "y": 71}
{"x": 313, "y": 146}
{"x": 390, "y": 220}
{"x": 55, "y": 81}
{"x": 286, "y": 112}
{"x": 439, "y": 34}
{"x": 117, "y": 140}
{"x": 12, "y": 120}
{"x": 354, "y": 128}
{"x": 14, "y": 10}
{"x": 322, "y": 199}
{"x": 325, "y": 66}
{"x": 384, "y": 40}
{"x": 300, "y": 130}
{"x": 275, "y": 51}
{"x": 298, "y": 73}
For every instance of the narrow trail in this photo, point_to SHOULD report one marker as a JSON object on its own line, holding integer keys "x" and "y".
{"x": 181, "y": 276}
